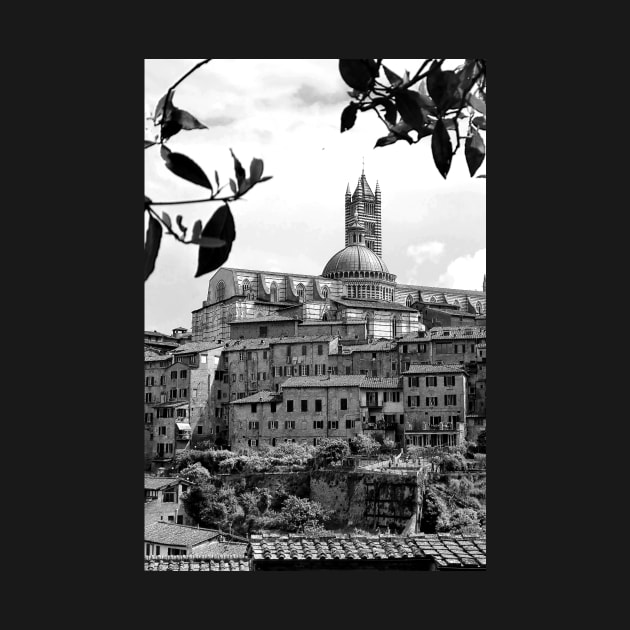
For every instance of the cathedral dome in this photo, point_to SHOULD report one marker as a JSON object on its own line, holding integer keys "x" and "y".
{"x": 355, "y": 258}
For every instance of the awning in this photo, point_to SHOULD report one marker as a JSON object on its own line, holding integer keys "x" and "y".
{"x": 183, "y": 426}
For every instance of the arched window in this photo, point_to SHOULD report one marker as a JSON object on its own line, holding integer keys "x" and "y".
{"x": 456, "y": 303}
{"x": 246, "y": 287}
{"x": 409, "y": 300}
{"x": 300, "y": 291}
{"x": 325, "y": 292}
{"x": 479, "y": 308}
{"x": 325, "y": 317}
{"x": 220, "y": 291}
{"x": 394, "y": 327}
{"x": 433, "y": 299}
{"x": 274, "y": 292}
{"x": 370, "y": 324}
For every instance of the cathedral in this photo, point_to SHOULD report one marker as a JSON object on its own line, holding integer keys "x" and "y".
{"x": 354, "y": 288}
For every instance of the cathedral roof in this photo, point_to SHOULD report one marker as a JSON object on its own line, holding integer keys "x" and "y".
{"x": 355, "y": 258}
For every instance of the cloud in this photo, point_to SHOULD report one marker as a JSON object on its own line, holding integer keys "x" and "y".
{"x": 425, "y": 251}
{"x": 465, "y": 272}
{"x": 309, "y": 95}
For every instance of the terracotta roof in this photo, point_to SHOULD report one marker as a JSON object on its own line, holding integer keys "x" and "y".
{"x": 155, "y": 483}
{"x": 246, "y": 344}
{"x": 172, "y": 534}
{"x": 157, "y": 333}
{"x": 195, "y": 563}
{"x": 349, "y": 380}
{"x": 151, "y": 356}
{"x": 377, "y": 304}
{"x": 416, "y": 368}
{"x": 447, "y": 550}
{"x": 418, "y": 287}
{"x": 261, "y": 396}
{"x": 197, "y": 346}
{"x": 381, "y": 383}
{"x": 221, "y": 549}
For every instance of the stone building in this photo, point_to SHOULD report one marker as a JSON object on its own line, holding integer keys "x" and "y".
{"x": 163, "y": 500}
{"x": 177, "y": 391}
{"x": 355, "y": 288}
{"x": 435, "y": 405}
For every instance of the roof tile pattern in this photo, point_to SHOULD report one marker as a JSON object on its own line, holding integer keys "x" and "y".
{"x": 172, "y": 534}
{"x": 349, "y": 380}
{"x": 447, "y": 550}
{"x": 195, "y": 563}
{"x": 416, "y": 368}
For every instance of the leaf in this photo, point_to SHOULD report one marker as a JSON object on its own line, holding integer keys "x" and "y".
{"x": 410, "y": 107}
{"x": 184, "y": 167}
{"x": 477, "y": 103}
{"x": 484, "y": 177}
{"x": 186, "y": 119}
{"x": 390, "y": 109}
{"x": 148, "y": 143}
{"x": 239, "y": 170}
{"x": 475, "y": 152}
{"x": 216, "y": 179}
{"x": 383, "y": 142}
{"x": 441, "y": 148}
{"x": 357, "y": 73}
{"x": 196, "y": 233}
{"x": 220, "y": 226}
{"x": 443, "y": 87}
{"x": 264, "y": 179}
{"x": 169, "y": 128}
{"x": 349, "y": 116}
{"x": 152, "y": 246}
{"x": 392, "y": 77}
{"x": 211, "y": 241}
{"x": 182, "y": 227}
{"x": 255, "y": 170}
{"x": 166, "y": 219}
{"x": 163, "y": 108}
{"x": 147, "y": 201}
{"x": 479, "y": 122}
{"x": 233, "y": 186}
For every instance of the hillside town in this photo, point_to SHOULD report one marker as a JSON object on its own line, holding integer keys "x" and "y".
{"x": 335, "y": 421}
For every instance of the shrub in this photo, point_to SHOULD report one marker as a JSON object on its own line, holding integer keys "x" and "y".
{"x": 364, "y": 445}
{"x": 332, "y": 450}
{"x": 296, "y": 514}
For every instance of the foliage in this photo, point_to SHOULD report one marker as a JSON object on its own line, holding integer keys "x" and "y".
{"x": 388, "y": 446}
{"x": 296, "y": 514}
{"x": 481, "y": 442}
{"x": 196, "y": 474}
{"x": 332, "y": 450}
{"x": 215, "y": 239}
{"x": 459, "y": 521}
{"x": 444, "y": 102}
{"x": 363, "y": 444}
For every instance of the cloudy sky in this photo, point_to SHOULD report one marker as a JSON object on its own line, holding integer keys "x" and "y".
{"x": 287, "y": 113}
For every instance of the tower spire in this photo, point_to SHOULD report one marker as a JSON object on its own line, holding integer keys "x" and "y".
{"x": 362, "y": 166}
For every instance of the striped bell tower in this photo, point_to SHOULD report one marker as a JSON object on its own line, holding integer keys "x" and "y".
{"x": 367, "y": 205}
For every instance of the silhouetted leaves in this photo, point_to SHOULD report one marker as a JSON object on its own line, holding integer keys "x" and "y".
{"x": 181, "y": 225}
{"x": 166, "y": 219}
{"x": 216, "y": 179}
{"x": 184, "y": 167}
{"x": 475, "y": 151}
{"x": 233, "y": 186}
{"x": 442, "y": 86}
{"x": 169, "y": 128}
{"x": 383, "y": 142}
{"x": 196, "y": 232}
{"x": 220, "y": 226}
{"x": 441, "y": 148}
{"x": 148, "y": 143}
{"x": 349, "y": 116}
{"x": 410, "y": 107}
{"x": 392, "y": 77}
{"x": 164, "y": 106}
{"x": 390, "y": 109}
{"x": 479, "y": 122}
{"x": 152, "y": 246}
{"x": 358, "y": 73}
{"x": 477, "y": 103}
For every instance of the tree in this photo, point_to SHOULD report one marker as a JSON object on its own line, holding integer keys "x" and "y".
{"x": 197, "y": 474}
{"x": 296, "y": 514}
{"x": 445, "y": 101}
{"x": 332, "y": 450}
{"x": 481, "y": 442}
{"x": 215, "y": 238}
{"x": 363, "y": 444}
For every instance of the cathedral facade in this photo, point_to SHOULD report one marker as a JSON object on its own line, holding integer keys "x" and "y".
{"x": 355, "y": 287}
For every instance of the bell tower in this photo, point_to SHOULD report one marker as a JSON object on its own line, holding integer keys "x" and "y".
{"x": 367, "y": 205}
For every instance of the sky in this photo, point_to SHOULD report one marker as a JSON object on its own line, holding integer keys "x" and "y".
{"x": 287, "y": 113}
